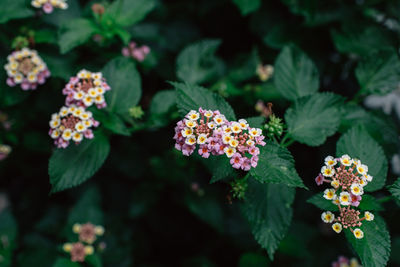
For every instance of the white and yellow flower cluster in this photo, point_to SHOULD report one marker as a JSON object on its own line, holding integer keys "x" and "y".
{"x": 86, "y": 89}
{"x": 26, "y": 68}
{"x": 71, "y": 123}
{"x": 49, "y": 5}
{"x": 348, "y": 177}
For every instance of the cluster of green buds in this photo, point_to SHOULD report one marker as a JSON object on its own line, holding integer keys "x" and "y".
{"x": 136, "y": 112}
{"x": 274, "y": 127}
{"x": 239, "y": 187}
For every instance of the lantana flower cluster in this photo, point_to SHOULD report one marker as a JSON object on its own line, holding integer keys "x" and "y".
{"x": 49, "y": 5}
{"x": 73, "y": 121}
{"x": 347, "y": 176}
{"x": 215, "y": 135}
{"x": 26, "y": 68}
{"x": 86, "y": 89}
{"x": 137, "y": 52}
{"x": 88, "y": 234}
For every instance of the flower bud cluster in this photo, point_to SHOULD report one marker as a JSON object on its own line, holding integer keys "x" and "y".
{"x": 345, "y": 262}
{"x": 274, "y": 127}
{"x": 26, "y": 68}
{"x": 88, "y": 234}
{"x": 347, "y": 176}
{"x": 215, "y": 135}
{"x": 136, "y": 52}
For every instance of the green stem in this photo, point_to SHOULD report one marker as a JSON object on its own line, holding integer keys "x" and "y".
{"x": 291, "y": 141}
{"x": 286, "y": 136}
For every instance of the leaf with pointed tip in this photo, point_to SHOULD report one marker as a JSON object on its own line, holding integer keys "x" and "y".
{"x": 268, "y": 208}
{"x": 359, "y": 144}
{"x": 276, "y": 165}
{"x": 75, "y": 164}
{"x": 124, "y": 80}
{"x": 197, "y": 63}
{"x": 314, "y": 118}
{"x": 395, "y": 189}
{"x": 295, "y": 75}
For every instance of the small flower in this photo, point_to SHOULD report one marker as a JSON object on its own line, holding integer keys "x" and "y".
{"x": 191, "y": 124}
{"x": 368, "y": 177}
{"x": 363, "y": 182}
{"x": 327, "y": 217}
{"x": 202, "y": 139}
{"x": 362, "y": 169}
{"x": 264, "y": 72}
{"x": 187, "y": 132}
{"x": 88, "y": 88}
{"x": 346, "y": 160}
{"x": 5, "y": 150}
{"x": 236, "y": 128}
{"x": 229, "y": 151}
{"x": 337, "y": 227}
{"x": 329, "y": 194}
{"x": 358, "y": 233}
{"x": 99, "y": 230}
{"x": 226, "y": 138}
{"x": 344, "y": 198}
{"x": 335, "y": 184}
{"x": 319, "y": 180}
{"x": 219, "y": 119}
{"x": 330, "y": 161}
{"x": 67, "y": 247}
{"x": 26, "y": 68}
{"x": 233, "y": 143}
{"x": 236, "y": 161}
{"x": 356, "y": 189}
{"x": 191, "y": 140}
{"x": 327, "y": 171}
{"x": 243, "y": 124}
{"x": 369, "y": 216}
{"x": 355, "y": 200}
{"x": 76, "y": 228}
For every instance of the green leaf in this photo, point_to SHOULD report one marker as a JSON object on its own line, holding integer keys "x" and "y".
{"x": 94, "y": 260}
{"x": 374, "y": 248}
{"x": 161, "y": 106}
{"x": 368, "y": 203}
{"x": 247, "y": 6}
{"x": 295, "y": 75}
{"x": 359, "y": 144}
{"x": 395, "y": 189}
{"x": 111, "y": 121}
{"x": 193, "y": 97}
{"x": 74, "y": 165}
{"x": 379, "y": 73}
{"x": 14, "y": 9}
{"x": 74, "y": 33}
{"x": 129, "y": 12}
{"x": 125, "y": 83}
{"x": 314, "y": 118}
{"x": 197, "y": 63}
{"x": 220, "y": 168}
{"x": 268, "y": 208}
{"x": 320, "y": 202}
{"x": 256, "y": 122}
{"x": 61, "y": 262}
{"x": 361, "y": 39}
{"x": 276, "y": 165}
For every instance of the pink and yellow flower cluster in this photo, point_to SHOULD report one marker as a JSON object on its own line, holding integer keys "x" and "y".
{"x": 73, "y": 121}
{"x": 88, "y": 234}
{"x": 215, "y": 135}
{"x": 347, "y": 176}
{"x": 26, "y": 69}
